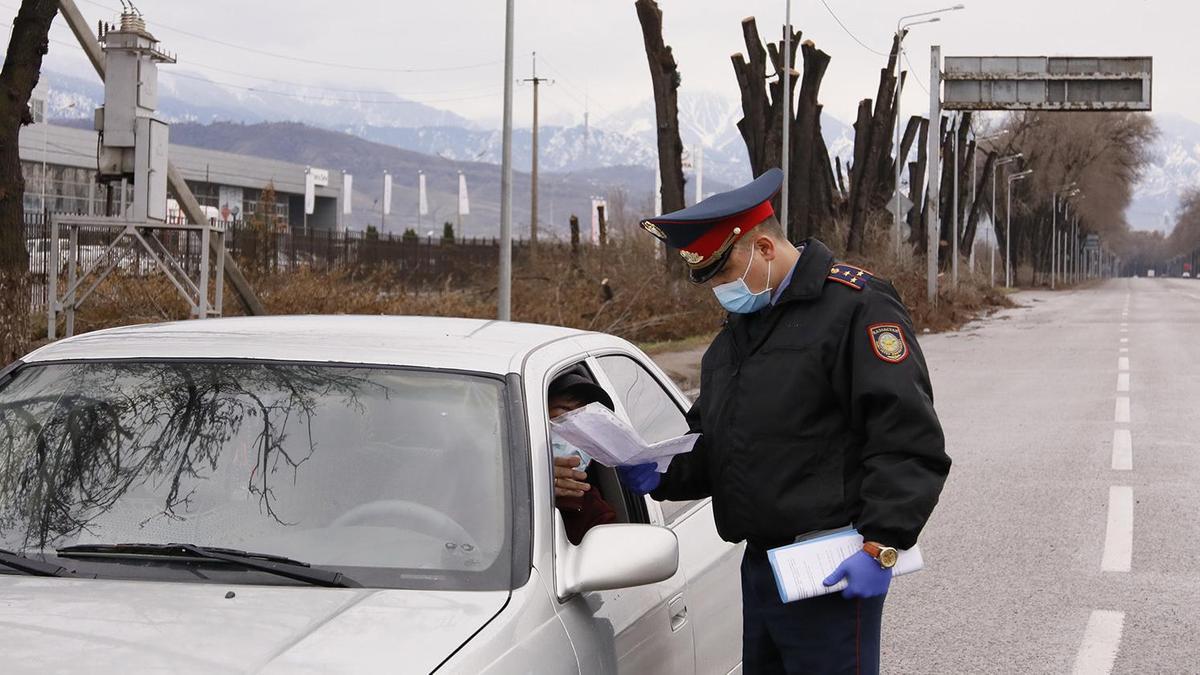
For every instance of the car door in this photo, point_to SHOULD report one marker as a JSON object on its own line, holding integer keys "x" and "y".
{"x": 712, "y": 566}
{"x": 640, "y": 629}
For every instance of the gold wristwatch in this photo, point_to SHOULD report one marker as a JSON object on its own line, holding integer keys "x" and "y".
{"x": 886, "y": 556}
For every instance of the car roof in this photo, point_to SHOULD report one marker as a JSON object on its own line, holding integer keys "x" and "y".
{"x": 433, "y": 342}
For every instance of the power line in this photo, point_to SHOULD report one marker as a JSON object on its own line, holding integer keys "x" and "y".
{"x": 304, "y": 97}
{"x": 568, "y": 82}
{"x": 852, "y": 35}
{"x": 913, "y": 72}
{"x": 301, "y": 59}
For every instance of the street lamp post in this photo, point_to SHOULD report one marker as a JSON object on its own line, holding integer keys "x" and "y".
{"x": 995, "y": 240}
{"x": 1008, "y": 226}
{"x": 901, "y": 27}
{"x": 1067, "y": 192}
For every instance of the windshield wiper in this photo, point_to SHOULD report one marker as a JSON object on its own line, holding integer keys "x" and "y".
{"x": 35, "y": 567}
{"x": 261, "y": 562}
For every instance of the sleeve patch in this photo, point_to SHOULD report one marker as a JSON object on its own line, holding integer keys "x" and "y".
{"x": 887, "y": 340}
{"x": 849, "y": 275}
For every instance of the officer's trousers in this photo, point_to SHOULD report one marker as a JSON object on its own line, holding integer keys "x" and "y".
{"x": 820, "y": 636}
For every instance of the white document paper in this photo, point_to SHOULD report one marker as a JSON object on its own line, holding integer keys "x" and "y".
{"x": 607, "y": 439}
{"x": 801, "y": 568}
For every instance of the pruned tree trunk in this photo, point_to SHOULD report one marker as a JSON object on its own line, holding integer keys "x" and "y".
{"x": 869, "y": 186}
{"x": 809, "y": 162}
{"x": 918, "y": 213}
{"x": 22, "y": 68}
{"x": 664, "y": 79}
{"x": 811, "y": 187}
{"x": 759, "y": 126}
{"x": 982, "y": 190}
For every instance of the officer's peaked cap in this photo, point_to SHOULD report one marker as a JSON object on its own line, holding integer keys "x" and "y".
{"x": 705, "y": 232}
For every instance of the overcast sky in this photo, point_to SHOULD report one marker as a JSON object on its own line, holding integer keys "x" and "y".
{"x": 594, "y": 47}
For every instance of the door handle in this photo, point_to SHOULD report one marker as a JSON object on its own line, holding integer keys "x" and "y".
{"x": 678, "y": 609}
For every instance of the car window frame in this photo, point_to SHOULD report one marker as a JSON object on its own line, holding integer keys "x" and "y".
{"x": 667, "y": 516}
{"x": 639, "y": 507}
{"x": 519, "y": 502}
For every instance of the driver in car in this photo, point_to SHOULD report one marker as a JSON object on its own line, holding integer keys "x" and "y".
{"x": 577, "y": 500}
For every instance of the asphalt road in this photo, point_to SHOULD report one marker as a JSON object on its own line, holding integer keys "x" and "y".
{"x": 1068, "y": 536}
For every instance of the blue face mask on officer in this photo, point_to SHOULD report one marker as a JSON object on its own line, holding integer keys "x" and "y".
{"x": 735, "y": 296}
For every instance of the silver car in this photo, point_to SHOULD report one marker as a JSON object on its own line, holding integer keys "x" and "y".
{"x": 339, "y": 495}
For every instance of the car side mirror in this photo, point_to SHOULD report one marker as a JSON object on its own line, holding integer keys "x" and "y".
{"x": 615, "y": 556}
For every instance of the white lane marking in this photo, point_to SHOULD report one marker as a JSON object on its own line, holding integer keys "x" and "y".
{"x": 1124, "y": 350}
{"x": 1118, "y": 537}
{"x": 1122, "y": 450}
{"x": 1125, "y": 330}
{"x": 1121, "y": 416}
{"x": 1122, "y": 381}
{"x": 1123, "y": 363}
{"x": 1101, "y": 642}
{"x": 1124, "y": 340}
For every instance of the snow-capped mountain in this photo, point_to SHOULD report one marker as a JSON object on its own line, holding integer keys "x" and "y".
{"x": 1174, "y": 168}
{"x": 710, "y": 120}
{"x": 188, "y": 97}
{"x": 625, "y": 138}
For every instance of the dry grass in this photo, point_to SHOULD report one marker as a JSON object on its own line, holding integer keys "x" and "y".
{"x": 648, "y": 304}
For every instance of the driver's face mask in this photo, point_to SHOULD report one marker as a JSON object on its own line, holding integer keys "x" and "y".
{"x": 561, "y": 448}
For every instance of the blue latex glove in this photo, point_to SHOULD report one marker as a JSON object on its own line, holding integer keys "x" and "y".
{"x": 641, "y": 479}
{"x": 864, "y": 577}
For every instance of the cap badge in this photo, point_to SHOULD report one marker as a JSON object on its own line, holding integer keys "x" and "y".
{"x": 691, "y": 257}
{"x": 654, "y": 230}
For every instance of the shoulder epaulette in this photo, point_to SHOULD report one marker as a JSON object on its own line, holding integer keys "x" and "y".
{"x": 854, "y": 277}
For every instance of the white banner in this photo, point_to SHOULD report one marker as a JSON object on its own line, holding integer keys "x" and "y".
{"x": 347, "y": 192}
{"x": 464, "y": 205}
{"x": 320, "y": 177}
{"x": 230, "y": 203}
{"x": 422, "y": 200}
{"x": 387, "y": 193}
{"x": 310, "y": 192}
{"x": 597, "y": 201}
{"x": 657, "y": 191}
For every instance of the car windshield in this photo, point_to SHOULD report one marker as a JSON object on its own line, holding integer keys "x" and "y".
{"x": 397, "y": 477}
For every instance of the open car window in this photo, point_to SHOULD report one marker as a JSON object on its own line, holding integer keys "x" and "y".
{"x": 629, "y": 508}
{"x": 652, "y": 411}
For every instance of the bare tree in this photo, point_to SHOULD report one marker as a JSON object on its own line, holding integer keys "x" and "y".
{"x": 22, "y": 68}
{"x": 1103, "y": 153}
{"x": 665, "y": 80}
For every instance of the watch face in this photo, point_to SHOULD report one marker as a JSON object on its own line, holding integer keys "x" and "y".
{"x": 888, "y": 556}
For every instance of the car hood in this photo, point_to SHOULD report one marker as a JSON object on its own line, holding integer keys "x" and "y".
{"x": 59, "y": 625}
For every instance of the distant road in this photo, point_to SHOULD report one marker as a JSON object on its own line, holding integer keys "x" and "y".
{"x": 1068, "y": 538}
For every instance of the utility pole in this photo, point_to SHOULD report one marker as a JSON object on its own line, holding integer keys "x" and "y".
{"x": 533, "y": 177}
{"x": 932, "y": 196}
{"x": 954, "y": 205}
{"x": 504, "y": 285}
{"x": 785, "y": 125}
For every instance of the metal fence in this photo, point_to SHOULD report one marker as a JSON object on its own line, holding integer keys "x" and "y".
{"x": 418, "y": 260}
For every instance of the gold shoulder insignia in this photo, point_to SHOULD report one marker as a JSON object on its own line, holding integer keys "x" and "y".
{"x": 849, "y": 275}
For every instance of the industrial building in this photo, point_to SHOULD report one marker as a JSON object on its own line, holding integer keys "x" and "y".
{"x": 228, "y": 185}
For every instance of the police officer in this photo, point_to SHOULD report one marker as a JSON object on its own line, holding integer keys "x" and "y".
{"x": 815, "y": 412}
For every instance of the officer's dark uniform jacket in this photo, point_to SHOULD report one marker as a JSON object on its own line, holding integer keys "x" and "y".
{"x": 806, "y": 424}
